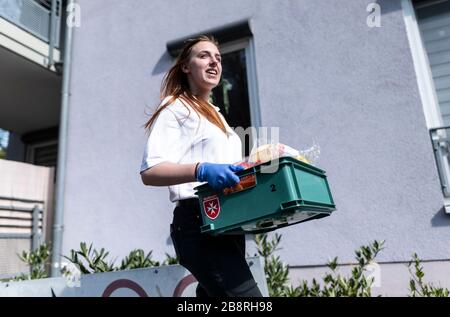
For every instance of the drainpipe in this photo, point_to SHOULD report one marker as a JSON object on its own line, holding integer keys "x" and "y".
{"x": 62, "y": 153}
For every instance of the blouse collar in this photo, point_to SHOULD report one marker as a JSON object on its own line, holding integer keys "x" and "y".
{"x": 217, "y": 108}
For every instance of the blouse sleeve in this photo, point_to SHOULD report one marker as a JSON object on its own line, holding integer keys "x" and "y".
{"x": 165, "y": 141}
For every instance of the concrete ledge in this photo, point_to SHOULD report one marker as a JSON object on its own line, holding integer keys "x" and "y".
{"x": 164, "y": 281}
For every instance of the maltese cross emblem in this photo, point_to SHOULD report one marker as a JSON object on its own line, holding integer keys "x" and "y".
{"x": 211, "y": 207}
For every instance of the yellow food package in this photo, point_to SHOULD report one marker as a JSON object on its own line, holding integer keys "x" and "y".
{"x": 303, "y": 159}
{"x": 263, "y": 153}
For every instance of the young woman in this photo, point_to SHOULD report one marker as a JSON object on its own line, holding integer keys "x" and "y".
{"x": 190, "y": 142}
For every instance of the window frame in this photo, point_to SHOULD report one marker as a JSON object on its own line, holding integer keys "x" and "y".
{"x": 31, "y": 150}
{"x": 429, "y": 99}
{"x": 252, "y": 83}
{"x": 424, "y": 76}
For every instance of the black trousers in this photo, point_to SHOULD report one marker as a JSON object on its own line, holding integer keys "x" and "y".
{"x": 217, "y": 262}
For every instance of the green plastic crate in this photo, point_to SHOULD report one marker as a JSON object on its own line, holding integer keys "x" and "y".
{"x": 293, "y": 192}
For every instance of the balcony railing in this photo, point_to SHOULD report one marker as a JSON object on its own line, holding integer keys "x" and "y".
{"x": 41, "y": 18}
{"x": 440, "y": 138}
{"x": 21, "y": 229}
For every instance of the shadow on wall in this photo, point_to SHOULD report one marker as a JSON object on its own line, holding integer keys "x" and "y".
{"x": 169, "y": 241}
{"x": 163, "y": 64}
{"x": 440, "y": 219}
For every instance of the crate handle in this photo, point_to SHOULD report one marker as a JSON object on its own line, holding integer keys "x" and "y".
{"x": 289, "y": 204}
{"x": 206, "y": 228}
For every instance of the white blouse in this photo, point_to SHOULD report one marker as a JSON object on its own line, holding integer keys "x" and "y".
{"x": 181, "y": 137}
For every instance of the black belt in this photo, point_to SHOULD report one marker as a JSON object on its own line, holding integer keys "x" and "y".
{"x": 188, "y": 203}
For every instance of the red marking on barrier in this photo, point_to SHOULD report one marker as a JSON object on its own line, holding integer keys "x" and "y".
{"x": 123, "y": 283}
{"x": 181, "y": 286}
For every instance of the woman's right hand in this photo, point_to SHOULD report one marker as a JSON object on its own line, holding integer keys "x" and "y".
{"x": 218, "y": 176}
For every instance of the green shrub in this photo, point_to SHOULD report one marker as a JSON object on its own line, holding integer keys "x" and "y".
{"x": 2, "y": 153}
{"x": 36, "y": 259}
{"x": 337, "y": 285}
{"x": 418, "y": 287}
{"x": 89, "y": 260}
{"x": 277, "y": 273}
{"x": 333, "y": 284}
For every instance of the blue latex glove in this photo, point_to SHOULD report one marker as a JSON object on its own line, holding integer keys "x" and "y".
{"x": 218, "y": 176}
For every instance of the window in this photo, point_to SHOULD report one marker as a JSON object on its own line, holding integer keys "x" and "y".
{"x": 232, "y": 93}
{"x": 434, "y": 24}
{"x": 428, "y": 29}
{"x": 42, "y": 147}
{"x": 43, "y": 154}
{"x": 237, "y": 88}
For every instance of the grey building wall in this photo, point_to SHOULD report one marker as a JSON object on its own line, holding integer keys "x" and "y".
{"x": 323, "y": 76}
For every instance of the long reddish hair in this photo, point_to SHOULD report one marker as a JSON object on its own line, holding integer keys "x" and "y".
{"x": 175, "y": 85}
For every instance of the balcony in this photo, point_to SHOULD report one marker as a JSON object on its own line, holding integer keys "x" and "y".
{"x": 30, "y": 97}
{"x": 32, "y": 29}
{"x": 30, "y": 90}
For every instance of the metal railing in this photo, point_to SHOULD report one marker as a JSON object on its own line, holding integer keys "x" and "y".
{"x": 440, "y": 139}
{"x": 33, "y": 16}
{"x": 41, "y": 18}
{"x": 15, "y": 220}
